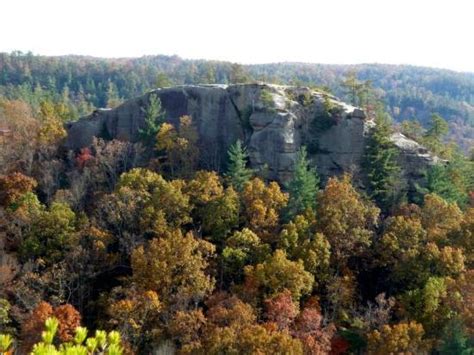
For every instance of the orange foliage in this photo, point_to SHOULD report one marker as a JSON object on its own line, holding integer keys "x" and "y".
{"x": 69, "y": 319}
{"x": 34, "y": 325}
{"x": 13, "y": 186}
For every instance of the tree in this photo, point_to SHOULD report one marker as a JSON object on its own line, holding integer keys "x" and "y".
{"x": 345, "y": 219}
{"x": 14, "y": 186}
{"x": 455, "y": 340}
{"x": 51, "y": 130}
{"x": 439, "y": 182}
{"x": 238, "y": 74}
{"x": 237, "y": 172}
{"x": 262, "y": 204}
{"x": 68, "y": 319}
{"x": 302, "y": 242}
{"x": 136, "y": 316}
{"x": 154, "y": 118}
{"x": 102, "y": 343}
{"x": 303, "y": 187}
{"x": 51, "y": 235}
{"x": 450, "y": 180}
{"x": 175, "y": 266}
{"x": 399, "y": 338}
{"x": 186, "y": 328}
{"x": 144, "y": 202}
{"x": 309, "y": 329}
{"x": 440, "y": 218}
{"x": 162, "y": 80}
{"x": 231, "y": 328}
{"x": 220, "y": 215}
{"x": 412, "y": 129}
{"x": 381, "y": 165}
{"x": 180, "y": 147}
{"x": 242, "y": 248}
{"x": 113, "y": 98}
{"x": 281, "y": 310}
{"x": 433, "y": 137}
{"x": 276, "y": 274}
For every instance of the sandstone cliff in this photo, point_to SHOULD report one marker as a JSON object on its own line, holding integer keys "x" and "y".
{"x": 274, "y": 121}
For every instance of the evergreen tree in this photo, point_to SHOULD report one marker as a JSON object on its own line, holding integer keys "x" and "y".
{"x": 113, "y": 98}
{"x": 154, "y": 117}
{"x": 451, "y": 181}
{"x": 237, "y": 171}
{"x": 381, "y": 164}
{"x": 162, "y": 80}
{"x": 303, "y": 188}
{"x": 455, "y": 340}
{"x": 433, "y": 137}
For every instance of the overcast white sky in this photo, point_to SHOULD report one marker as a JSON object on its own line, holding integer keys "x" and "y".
{"x": 420, "y": 32}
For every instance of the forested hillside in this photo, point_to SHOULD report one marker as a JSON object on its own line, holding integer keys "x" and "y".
{"x": 135, "y": 247}
{"x": 83, "y": 83}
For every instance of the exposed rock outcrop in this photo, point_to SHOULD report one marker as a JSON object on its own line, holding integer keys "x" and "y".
{"x": 274, "y": 121}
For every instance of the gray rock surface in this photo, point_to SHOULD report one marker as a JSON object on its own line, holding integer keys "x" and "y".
{"x": 274, "y": 121}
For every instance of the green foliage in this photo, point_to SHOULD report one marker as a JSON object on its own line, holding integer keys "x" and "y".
{"x": 5, "y": 307}
{"x": 455, "y": 340}
{"x": 433, "y": 137}
{"x": 412, "y": 129}
{"x": 242, "y": 248}
{"x": 82, "y": 83}
{"x": 51, "y": 235}
{"x": 6, "y": 343}
{"x": 381, "y": 165}
{"x": 278, "y": 273}
{"x": 163, "y": 81}
{"x": 303, "y": 187}
{"x": 103, "y": 343}
{"x": 440, "y": 179}
{"x": 154, "y": 117}
{"x": 237, "y": 172}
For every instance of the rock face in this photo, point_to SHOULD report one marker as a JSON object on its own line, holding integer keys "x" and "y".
{"x": 274, "y": 122}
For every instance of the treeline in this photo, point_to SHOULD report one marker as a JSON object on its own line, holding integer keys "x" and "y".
{"x": 84, "y": 83}
{"x": 167, "y": 257}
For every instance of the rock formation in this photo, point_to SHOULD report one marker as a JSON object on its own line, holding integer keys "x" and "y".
{"x": 274, "y": 122}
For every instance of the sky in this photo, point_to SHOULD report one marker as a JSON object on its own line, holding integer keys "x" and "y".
{"x": 431, "y": 33}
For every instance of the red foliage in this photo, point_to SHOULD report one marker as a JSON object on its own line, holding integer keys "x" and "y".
{"x": 308, "y": 328}
{"x": 281, "y": 310}
{"x": 83, "y": 157}
{"x": 339, "y": 346}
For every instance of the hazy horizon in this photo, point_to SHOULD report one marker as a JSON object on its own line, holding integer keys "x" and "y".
{"x": 434, "y": 34}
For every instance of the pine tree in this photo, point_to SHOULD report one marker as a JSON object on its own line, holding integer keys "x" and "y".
{"x": 382, "y": 169}
{"x": 154, "y": 117}
{"x": 455, "y": 340}
{"x": 237, "y": 172}
{"x": 449, "y": 181}
{"x": 433, "y": 138}
{"x": 303, "y": 188}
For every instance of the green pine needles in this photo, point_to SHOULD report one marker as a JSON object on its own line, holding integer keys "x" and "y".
{"x": 237, "y": 172}
{"x": 304, "y": 186}
{"x": 154, "y": 117}
{"x": 381, "y": 165}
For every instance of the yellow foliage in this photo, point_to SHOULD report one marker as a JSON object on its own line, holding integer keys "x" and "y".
{"x": 405, "y": 338}
{"x": 262, "y": 205}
